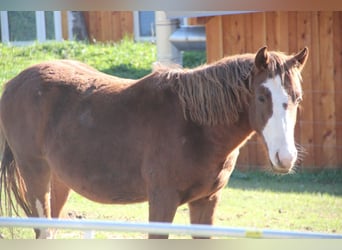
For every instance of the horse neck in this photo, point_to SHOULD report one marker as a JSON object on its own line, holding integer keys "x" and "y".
{"x": 227, "y": 137}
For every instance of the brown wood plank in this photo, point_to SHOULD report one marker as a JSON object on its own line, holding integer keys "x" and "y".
{"x": 115, "y": 26}
{"x": 98, "y": 28}
{"x": 227, "y": 35}
{"x": 283, "y": 27}
{"x": 107, "y": 28}
{"x": 337, "y": 33}
{"x": 237, "y": 34}
{"x": 89, "y": 19}
{"x": 326, "y": 97}
{"x": 305, "y": 116}
{"x": 259, "y": 31}
{"x": 126, "y": 20}
{"x": 214, "y": 47}
{"x": 315, "y": 69}
{"x": 272, "y": 27}
{"x": 249, "y": 33}
{"x": 292, "y": 35}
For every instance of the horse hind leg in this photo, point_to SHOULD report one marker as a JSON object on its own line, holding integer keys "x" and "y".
{"x": 49, "y": 198}
{"x": 26, "y": 183}
{"x": 59, "y": 196}
{"x": 36, "y": 176}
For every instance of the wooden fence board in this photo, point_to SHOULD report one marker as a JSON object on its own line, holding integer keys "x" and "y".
{"x": 214, "y": 38}
{"x": 283, "y": 29}
{"x": 326, "y": 89}
{"x": 337, "y": 32}
{"x": 305, "y": 115}
{"x": 272, "y": 34}
{"x": 259, "y": 30}
{"x": 315, "y": 71}
{"x": 228, "y": 35}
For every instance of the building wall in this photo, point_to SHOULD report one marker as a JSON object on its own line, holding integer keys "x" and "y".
{"x": 319, "y": 127}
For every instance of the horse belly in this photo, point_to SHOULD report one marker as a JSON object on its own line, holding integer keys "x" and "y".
{"x": 108, "y": 189}
{"x": 96, "y": 165}
{"x": 102, "y": 195}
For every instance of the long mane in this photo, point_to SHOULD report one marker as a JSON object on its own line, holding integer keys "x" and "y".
{"x": 212, "y": 94}
{"x": 216, "y": 93}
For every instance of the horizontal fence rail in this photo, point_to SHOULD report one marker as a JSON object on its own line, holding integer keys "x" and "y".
{"x": 89, "y": 226}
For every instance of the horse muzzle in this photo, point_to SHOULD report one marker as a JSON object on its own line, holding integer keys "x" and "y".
{"x": 283, "y": 161}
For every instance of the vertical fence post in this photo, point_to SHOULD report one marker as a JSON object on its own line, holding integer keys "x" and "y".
{"x": 167, "y": 53}
{"x": 89, "y": 234}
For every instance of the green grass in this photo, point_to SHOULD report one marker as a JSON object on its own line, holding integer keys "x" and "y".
{"x": 303, "y": 202}
{"x": 124, "y": 59}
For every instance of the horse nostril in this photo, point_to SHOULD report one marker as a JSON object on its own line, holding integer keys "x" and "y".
{"x": 278, "y": 159}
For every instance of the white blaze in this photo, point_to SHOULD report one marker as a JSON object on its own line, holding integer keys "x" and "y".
{"x": 279, "y": 129}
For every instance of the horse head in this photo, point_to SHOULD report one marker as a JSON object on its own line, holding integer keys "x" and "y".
{"x": 276, "y": 94}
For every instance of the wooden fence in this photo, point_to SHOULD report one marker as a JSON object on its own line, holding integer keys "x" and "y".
{"x": 319, "y": 127}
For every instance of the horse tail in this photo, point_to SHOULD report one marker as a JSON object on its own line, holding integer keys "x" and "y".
{"x": 12, "y": 185}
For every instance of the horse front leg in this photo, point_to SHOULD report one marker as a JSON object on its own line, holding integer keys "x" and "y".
{"x": 162, "y": 208}
{"x": 202, "y": 211}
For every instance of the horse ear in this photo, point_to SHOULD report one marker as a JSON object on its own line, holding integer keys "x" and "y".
{"x": 262, "y": 58}
{"x": 301, "y": 57}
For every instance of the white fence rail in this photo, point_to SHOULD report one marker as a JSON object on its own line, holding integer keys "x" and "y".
{"x": 89, "y": 226}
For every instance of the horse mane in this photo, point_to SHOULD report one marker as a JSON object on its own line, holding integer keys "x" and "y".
{"x": 211, "y": 94}
{"x": 216, "y": 93}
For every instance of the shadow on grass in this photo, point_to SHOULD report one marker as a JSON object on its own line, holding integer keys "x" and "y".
{"x": 127, "y": 71}
{"x": 323, "y": 182}
{"x": 191, "y": 59}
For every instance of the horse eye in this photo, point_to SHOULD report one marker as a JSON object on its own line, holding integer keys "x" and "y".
{"x": 261, "y": 98}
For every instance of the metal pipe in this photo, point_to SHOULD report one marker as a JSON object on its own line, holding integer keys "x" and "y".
{"x": 160, "y": 228}
{"x": 189, "y": 38}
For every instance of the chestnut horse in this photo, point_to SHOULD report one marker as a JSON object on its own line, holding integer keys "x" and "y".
{"x": 170, "y": 138}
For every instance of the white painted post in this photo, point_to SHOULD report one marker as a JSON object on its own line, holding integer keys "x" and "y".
{"x": 57, "y": 19}
{"x": 40, "y": 26}
{"x": 88, "y": 234}
{"x": 166, "y": 52}
{"x": 4, "y": 27}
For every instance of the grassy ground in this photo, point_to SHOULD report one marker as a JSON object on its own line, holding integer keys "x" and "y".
{"x": 302, "y": 202}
